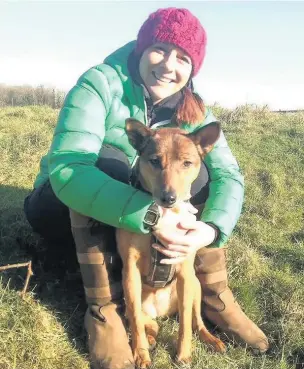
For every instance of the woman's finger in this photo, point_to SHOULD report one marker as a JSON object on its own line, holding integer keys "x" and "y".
{"x": 188, "y": 217}
{"x": 177, "y": 248}
{"x": 187, "y": 207}
{"x": 175, "y": 239}
{"x": 173, "y": 260}
{"x": 166, "y": 237}
{"x": 191, "y": 208}
{"x": 188, "y": 224}
{"x": 170, "y": 254}
{"x": 183, "y": 249}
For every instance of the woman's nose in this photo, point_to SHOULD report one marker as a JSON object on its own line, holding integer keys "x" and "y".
{"x": 170, "y": 61}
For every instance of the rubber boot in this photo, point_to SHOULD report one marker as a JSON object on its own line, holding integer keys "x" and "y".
{"x": 219, "y": 305}
{"x": 101, "y": 267}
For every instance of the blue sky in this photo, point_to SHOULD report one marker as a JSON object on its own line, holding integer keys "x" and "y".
{"x": 255, "y": 49}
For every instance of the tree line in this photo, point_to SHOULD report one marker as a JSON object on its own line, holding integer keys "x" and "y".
{"x": 30, "y": 95}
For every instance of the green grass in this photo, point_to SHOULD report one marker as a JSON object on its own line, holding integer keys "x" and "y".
{"x": 266, "y": 258}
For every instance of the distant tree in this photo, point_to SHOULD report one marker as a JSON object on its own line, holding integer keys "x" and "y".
{"x": 29, "y": 95}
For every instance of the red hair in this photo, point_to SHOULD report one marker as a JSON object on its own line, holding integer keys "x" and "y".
{"x": 191, "y": 110}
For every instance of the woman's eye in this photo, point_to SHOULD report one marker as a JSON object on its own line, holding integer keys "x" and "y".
{"x": 160, "y": 50}
{"x": 155, "y": 162}
{"x": 185, "y": 59}
{"x": 187, "y": 164}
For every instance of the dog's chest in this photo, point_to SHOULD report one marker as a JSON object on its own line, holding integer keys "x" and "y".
{"x": 157, "y": 302}
{"x": 136, "y": 249}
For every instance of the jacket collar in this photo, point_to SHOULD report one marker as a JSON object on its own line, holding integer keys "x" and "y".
{"x": 132, "y": 92}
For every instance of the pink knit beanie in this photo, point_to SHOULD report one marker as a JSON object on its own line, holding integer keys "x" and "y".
{"x": 174, "y": 26}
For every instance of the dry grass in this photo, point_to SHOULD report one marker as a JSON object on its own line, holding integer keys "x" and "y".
{"x": 266, "y": 259}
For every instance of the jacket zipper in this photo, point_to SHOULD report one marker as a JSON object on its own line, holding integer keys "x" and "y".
{"x": 146, "y": 123}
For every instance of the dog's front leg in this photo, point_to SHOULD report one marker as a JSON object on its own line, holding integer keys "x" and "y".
{"x": 133, "y": 291}
{"x": 185, "y": 295}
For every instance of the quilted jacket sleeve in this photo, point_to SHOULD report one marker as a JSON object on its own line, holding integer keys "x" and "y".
{"x": 226, "y": 189}
{"x": 76, "y": 144}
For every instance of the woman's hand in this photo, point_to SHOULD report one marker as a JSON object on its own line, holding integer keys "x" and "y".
{"x": 181, "y": 235}
{"x": 170, "y": 219}
{"x": 169, "y": 224}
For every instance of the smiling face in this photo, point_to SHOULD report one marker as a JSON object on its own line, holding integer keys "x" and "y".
{"x": 165, "y": 69}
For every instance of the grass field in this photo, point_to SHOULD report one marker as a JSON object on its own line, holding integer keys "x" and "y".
{"x": 266, "y": 258}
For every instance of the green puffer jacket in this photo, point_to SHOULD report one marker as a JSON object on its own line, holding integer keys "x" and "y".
{"x": 94, "y": 114}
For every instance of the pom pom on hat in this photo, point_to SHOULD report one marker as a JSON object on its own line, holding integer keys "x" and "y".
{"x": 175, "y": 26}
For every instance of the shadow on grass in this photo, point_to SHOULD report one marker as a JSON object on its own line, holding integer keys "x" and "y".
{"x": 56, "y": 282}
{"x": 297, "y": 358}
{"x": 293, "y": 256}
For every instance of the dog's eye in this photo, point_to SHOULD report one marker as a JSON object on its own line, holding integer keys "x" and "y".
{"x": 155, "y": 162}
{"x": 187, "y": 164}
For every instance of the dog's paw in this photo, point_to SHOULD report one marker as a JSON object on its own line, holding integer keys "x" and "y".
{"x": 152, "y": 342}
{"x": 213, "y": 343}
{"x": 183, "y": 362}
{"x": 218, "y": 346}
{"x": 142, "y": 358}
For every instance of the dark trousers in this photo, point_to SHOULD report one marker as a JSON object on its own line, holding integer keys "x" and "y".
{"x": 49, "y": 217}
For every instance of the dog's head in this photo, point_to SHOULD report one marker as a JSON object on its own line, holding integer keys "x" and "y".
{"x": 170, "y": 159}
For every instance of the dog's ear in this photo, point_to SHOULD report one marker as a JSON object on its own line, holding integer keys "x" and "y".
{"x": 206, "y": 137}
{"x": 138, "y": 134}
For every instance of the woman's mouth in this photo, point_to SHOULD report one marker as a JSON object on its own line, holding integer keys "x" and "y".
{"x": 162, "y": 78}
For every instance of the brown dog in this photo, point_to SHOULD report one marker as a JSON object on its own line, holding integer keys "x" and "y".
{"x": 169, "y": 161}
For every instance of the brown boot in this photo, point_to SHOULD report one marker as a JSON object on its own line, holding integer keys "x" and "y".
{"x": 107, "y": 339}
{"x": 101, "y": 268}
{"x": 219, "y": 305}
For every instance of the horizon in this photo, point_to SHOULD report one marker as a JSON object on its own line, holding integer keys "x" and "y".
{"x": 254, "y": 53}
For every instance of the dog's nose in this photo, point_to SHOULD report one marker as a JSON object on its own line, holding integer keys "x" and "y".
{"x": 168, "y": 198}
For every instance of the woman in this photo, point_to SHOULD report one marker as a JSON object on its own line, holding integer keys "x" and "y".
{"x": 89, "y": 170}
